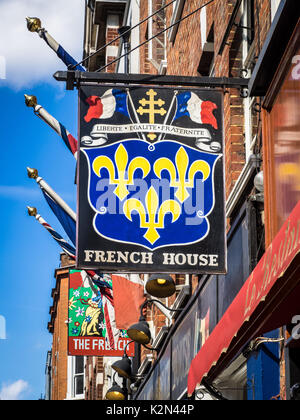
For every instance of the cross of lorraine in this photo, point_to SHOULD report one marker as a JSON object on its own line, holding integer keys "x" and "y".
{"x": 152, "y": 110}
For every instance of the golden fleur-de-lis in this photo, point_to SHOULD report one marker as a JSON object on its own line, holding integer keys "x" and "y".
{"x": 123, "y": 175}
{"x": 182, "y": 176}
{"x": 152, "y": 217}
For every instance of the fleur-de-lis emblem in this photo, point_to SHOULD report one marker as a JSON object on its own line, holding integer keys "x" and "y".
{"x": 124, "y": 171}
{"x": 182, "y": 177}
{"x": 152, "y": 217}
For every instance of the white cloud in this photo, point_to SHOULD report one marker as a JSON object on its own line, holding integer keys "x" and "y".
{"x": 18, "y": 192}
{"x": 14, "y": 391}
{"x": 29, "y": 60}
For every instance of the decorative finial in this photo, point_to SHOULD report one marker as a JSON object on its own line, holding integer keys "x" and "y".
{"x": 32, "y": 173}
{"x": 30, "y": 101}
{"x": 32, "y": 211}
{"x": 34, "y": 24}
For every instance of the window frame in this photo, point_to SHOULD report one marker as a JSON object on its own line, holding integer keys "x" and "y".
{"x": 162, "y": 64}
{"x": 75, "y": 375}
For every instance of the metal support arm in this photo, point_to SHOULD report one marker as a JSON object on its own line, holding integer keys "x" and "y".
{"x": 77, "y": 78}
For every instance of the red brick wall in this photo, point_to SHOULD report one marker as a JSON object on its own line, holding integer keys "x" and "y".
{"x": 93, "y": 366}
{"x": 59, "y": 312}
{"x": 183, "y": 57}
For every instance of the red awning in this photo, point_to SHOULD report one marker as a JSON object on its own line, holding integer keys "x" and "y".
{"x": 269, "y": 299}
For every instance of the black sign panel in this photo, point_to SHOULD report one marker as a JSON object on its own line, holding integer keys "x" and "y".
{"x": 163, "y": 382}
{"x": 151, "y": 193}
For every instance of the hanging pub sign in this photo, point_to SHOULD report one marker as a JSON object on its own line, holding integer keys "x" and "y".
{"x": 150, "y": 180}
{"x": 91, "y": 320}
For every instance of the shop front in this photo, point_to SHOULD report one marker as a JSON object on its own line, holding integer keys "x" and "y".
{"x": 269, "y": 299}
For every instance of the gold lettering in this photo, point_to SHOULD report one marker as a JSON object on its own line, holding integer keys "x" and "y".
{"x": 284, "y": 247}
{"x": 247, "y": 306}
{"x": 297, "y": 236}
{"x": 266, "y": 268}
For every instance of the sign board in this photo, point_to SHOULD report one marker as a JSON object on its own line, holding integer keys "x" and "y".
{"x": 163, "y": 379}
{"x": 150, "y": 180}
{"x": 88, "y": 327}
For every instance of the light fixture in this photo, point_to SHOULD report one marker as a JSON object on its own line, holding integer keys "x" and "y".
{"x": 123, "y": 366}
{"x": 140, "y": 332}
{"x": 160, "y": 285}
{"x": 259, "y": 186}
{"x": 116, "y": 393}
{"x": 259, "y": 182}
{"x": 295, "y": 392}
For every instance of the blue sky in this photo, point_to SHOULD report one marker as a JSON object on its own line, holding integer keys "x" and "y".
{"x": 29, "y": 255}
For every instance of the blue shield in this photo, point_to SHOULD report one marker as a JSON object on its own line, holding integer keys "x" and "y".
{"x": 152, "y": 195}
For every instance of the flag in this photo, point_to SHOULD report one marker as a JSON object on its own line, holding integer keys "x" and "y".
{"x": 67, "y": 222}
{"x": 100, "y": 280}
{"x": 105, "y": 288}
{"x": 68, "y": 139}
{"x": 128, "y": 291}
{"x": 67, "y": 59}
{"x": 60, "y": 129}
{"x": 201, "y": 112}
{"x": 66, "y": 247}
{"x": 104, "y": 107}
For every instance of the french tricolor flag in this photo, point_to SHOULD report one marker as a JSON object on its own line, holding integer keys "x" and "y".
{"x": 104, "y": 107}
{"x": 60, "y": 51}
{"x": 201, "y": 112}
{"x": 61, "y": 130}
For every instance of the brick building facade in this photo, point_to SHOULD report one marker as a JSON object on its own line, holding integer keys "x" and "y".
{"x": 57, "y": 326}
{"x": 223, "y": 39}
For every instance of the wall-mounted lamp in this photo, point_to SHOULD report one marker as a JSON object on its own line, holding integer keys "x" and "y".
{"x": 259, "y": 185}
{"x": 123, "y": 366}
{"x": 140, "y": 332}
{"x": 160, "y": 285}
{"x": 116, "y": 393}
{"x": 259, "y": 182}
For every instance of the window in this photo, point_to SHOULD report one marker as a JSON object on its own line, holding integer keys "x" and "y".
{"x": 157, "y": 53}
{"x": 249, "y": 21}
{"x": 244, "y": 247}
{"x": 274, "y": 7}
{"x": 177, "y": 13}
{"x": 207, "y": 60}
{"x": 284, "y": 141}
{"x": 78, "y": 377}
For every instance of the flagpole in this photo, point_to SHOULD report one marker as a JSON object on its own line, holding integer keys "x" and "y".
{"x": 34, "y": 24}
{"x": 33, "y": 174}
{"x": 69, "y": 140}
{"x": 107, "y": 296}
{"x": 169, "y": 112}
{"x": 67, "y": 248}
